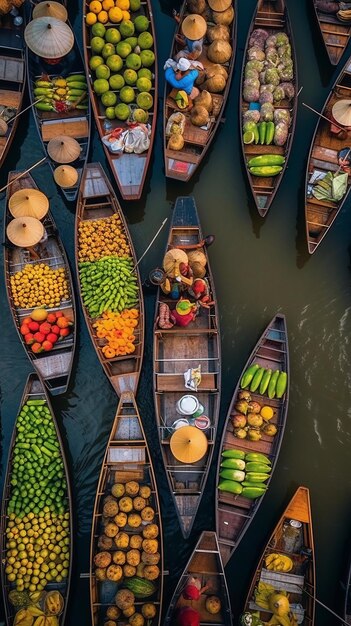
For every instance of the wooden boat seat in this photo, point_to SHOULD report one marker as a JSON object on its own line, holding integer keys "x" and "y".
{"x": 77, "y": 128}
{"x": 10, "y": 98}
{"x": 175, "y": 382}
{"x": 188, "y": 157}
{"x": 185, "y": 331}
{"x": 11, "y": 69}
{"x": 194, "y": 134}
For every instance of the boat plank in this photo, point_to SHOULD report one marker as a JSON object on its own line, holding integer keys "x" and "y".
{"x": 334, "y": 33}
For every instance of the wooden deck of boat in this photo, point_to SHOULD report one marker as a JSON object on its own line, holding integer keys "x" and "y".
{"x": 182, "y": 164}
{"x": 127, "y": 458}
{"x": 234, "y": 513}
{"x": 33, "y": 390}
{"x": 335, "y": 34}
{"x": 205, "y": 564}
{"x": 302, "y": 576}
{"x": 55, "y": 366}
{"x": 75, "y": 123}
{"x": 323, "y": 157}
{"x": 273, "y": 17}
{"x": 97, "y": 200}
{"x": 175, "y": 351}
{"x": 129, "y": 169}
{"x": 12, "y": 75}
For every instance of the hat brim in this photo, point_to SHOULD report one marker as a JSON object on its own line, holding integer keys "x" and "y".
{"x": 194, "y": 27}
{"x": 219, "y": 5}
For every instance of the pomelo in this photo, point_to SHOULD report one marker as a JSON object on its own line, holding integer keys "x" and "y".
{"x": 109, "y": 99}
{"x": 130, "y": 77}
{"x": 127, "y": 94}
{"x": 97, "y": 44}
{"x": 114, "y": 62}
{"x": 133, "y": 61}
{"x": 95, "y": 61}
{"x": 100, "y": 86}
{"x": 112, "y": 36}
{"x": 116, "y": 82}
{"x": 123, "y": 49}
{"x": 102, "y": 71}
{"x": 122, "y": 111}
{"x": 108, "y": 50}
{"x": 141, "y": 23}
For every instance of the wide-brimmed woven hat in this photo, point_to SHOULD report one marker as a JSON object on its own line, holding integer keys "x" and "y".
{"x": 219, "y": 5}
{"x": 194, "y": 26}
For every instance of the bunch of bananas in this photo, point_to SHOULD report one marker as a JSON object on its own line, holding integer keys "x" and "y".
{"x": 61, "y": 94}
{"x": 344, "y": 15}
{"x": 262, "y": 593}
{"x": 278, "y": 562}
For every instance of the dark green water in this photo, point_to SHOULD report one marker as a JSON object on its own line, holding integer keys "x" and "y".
{"x": 259, "y": 267}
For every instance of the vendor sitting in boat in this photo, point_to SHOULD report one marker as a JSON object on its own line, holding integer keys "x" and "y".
{"x": 184, "y": 313}
{"x": 182, "y": 78}
{"x": 193, "y": 32}
{"x": 194, "y": 589}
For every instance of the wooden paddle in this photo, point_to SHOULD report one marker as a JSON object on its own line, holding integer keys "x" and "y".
{"x": 23, "y": 173}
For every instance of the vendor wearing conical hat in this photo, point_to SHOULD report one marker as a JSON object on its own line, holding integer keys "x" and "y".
{"x": 193, "y": 29}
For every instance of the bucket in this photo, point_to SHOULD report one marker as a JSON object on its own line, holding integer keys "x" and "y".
{"x": 187, "y": 405}
{"x": 179, "y": 424}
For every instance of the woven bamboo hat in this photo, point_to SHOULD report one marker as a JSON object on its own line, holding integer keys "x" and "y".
{"x": 342, "y": 112}
{"x": 219, "y": 5}
{"x": 172, "y": 260}
{"x": 50, "y": 9}
{"x": 63, "y": 149}
{"x": 65, "y": 176}
{"x": 194, "y": 26}
{"x": 49, "y": 37}
{"x": 29, "y": 203}
{"x": 25, "y": 232}
{"x": 188, "y": 444}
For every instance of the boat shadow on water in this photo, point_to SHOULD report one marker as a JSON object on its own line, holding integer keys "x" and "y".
{"x": 301, "y": 248}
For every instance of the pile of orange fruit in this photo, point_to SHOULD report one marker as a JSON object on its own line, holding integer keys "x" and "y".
{"x": 117, "y": 331}
{"x": 113, "y": 11}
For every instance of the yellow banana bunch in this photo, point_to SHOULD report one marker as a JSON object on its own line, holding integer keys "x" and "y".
{"x": 262, "y": 593}
{"x": 60, "y": 82}
{"x": 278, "y": 562}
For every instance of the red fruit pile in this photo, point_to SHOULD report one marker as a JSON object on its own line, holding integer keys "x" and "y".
{"x": 42, "y": 335}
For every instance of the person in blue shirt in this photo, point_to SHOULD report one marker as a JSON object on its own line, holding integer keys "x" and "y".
{"x": 193, "y": 32}
{"x": 182, "y": 78}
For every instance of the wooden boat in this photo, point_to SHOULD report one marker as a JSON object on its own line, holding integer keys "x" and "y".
{"x": 127, "y": 459}
{"x": 234, "y": 513}
{"x": 175, "y": 351}
{"x": 323, "y": 157}
{"x": 97, "y": 201}
{"x": 296, "y": 542}
{"x": 334, "y": 32}
{"x": 205, "y": 565}
{"x": 12, "y": 75}
{"x": 74, "y": 122}
{"x": 128, "y": 169}
{"x": 272, "y": 17}
{"x": 55, "y": 366}
{"x": 34, "y": 390}
{"x": 182, "y": 164}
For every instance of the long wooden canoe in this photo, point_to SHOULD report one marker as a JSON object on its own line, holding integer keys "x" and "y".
{"x": 182, "y": 164}
{"x": 274, "y": 18}
{"x": 127, "y": 462}
{"x": 50, "y": 124}
{"x": 12, "y": 75}
{"x": 334, "y": 32}
{"x": 323, "y": 158}
{"x": 234, "y": 513}
{"x": 175, "y": 351}
{"x": 98, "y": 201}
{"x": 55, "y": 366}
{"x": 205, "y": 565}
{"x": 35, "y": 391}
{"x": 128, "y": 169}
{"x": 299, "y": 583}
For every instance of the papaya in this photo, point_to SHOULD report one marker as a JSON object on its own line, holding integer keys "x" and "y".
{"x": 270, "y": 133}
{"x": 253, "y": 492}
{"x": 262, "y": 126}
{"x": 257, "y": 379}
{"x": 266, "y": 170}
{"x": 257, "y": 457}
{"x": 281, "y": 384}
{"x": 265, "y": 381}
{"x": 266, "y": 159}
{"x": 256, "y": 466}
{"x": 248, "y": 375}
{"x": 272, "y": 384}
{"x": 256, "y": 477}
{"x": 232, "y": 453}
{"x": 237, "y": 464}
{"x": 230, "y": 486}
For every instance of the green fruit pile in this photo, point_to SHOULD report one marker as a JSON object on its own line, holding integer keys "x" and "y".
{"x": 244, "y": 473}
{"x": 121, "y": 58}
{"x": 37, "y": 532}
{"x": 273, "y": 383}
{"x": 108, "y": 285}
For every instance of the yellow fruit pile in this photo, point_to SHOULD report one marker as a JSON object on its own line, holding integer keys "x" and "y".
{"x": 117, "y": 330}
{"x": 107, "y": 11}
{"x": 99, "y": 238}
{"x": 38, "y": 285}
{"x": 37, "y": 549}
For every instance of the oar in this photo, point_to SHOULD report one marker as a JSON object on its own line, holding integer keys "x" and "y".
{"x": 26, "y": 109}
{"x": 23, "y": 173}
{"x": 323, "y": 116}
{"x": 150, "y": 244}
{"x": 324, "y": 606}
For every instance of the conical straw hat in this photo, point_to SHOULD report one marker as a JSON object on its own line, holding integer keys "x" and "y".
{"x": 172, "y": 259}
{"x": 65, "y": 176}
{"x": 48, "y": 37}
{"x": 63, "y": 149}
{"x": 29, "y": 203}
{"x": 50, "y": 9}
{"x": 188, "y": 444}
{"x": 194, "y": 26}
{"x": 342, "y": 112}
{"x": 219, "y": 5}
{"x": 25, "y": 231}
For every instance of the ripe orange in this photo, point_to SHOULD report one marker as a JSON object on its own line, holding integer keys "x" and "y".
{"x": 95, "y": 6}
{"x": 126, "y": 15}
{"x": 108, "y": 4}
{"x": 103, "y": 17}
{"x": 115, "y": 15}
{"x": 90, "y": 18}
{"x": 123, "y": 4}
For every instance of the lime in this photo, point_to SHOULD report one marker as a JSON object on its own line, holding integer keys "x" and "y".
{"x": 248, "y": 137}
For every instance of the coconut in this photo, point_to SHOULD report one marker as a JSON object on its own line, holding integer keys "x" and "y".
{"x": 198, "y": 270}
{"x": 215, "y": 84}
{"x": 196, "y": 6}
{"x": 205, "y": 100}
{"x": 218, "y": 32}
{"x": 197, "y": 256}
{"x": 176, "y": 142}
{"x": 219, "y": 51}
{"x": 217, "y": 70}
{"x": 223, "y": 17}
